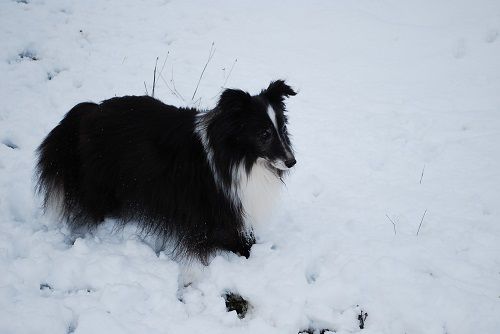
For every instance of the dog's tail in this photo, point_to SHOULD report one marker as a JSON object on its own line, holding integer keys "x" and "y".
{"x": 57, "y": 170}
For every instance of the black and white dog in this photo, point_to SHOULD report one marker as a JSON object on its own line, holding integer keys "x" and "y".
{"x": 199, "y": 180}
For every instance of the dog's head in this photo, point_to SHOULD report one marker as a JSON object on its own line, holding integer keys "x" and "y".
{"x": 256, "y": 126}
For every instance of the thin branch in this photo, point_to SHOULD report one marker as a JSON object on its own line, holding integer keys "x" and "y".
{"x": 198, "y": 100}
{"x": 362, "y": 319}
{"x": 226, "y": 78}
{"x": 164, "y": 62}
{"x": 168, "y": 86}
{"x": 154, "y": 78}
{"x": 173, "y": 84}
{"x": 421, "y": 221}
{"x": 393, "y": 223}
{"x": 210, "y": 55}
{"x": 229, "y": 74}
{"x": 159, "y": 72}
{"x": 145, "y": 87}
{"x": 422, "y": 175}
{"x": 197, "y": 103}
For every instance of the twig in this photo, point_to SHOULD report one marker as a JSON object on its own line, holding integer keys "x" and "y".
{"x": 422, "y": 175}
{"x": 154, "y": 78}
{"x": 393, "y": 223}
{"x": 198, "y": 100}
{"x": 164, "y": 62}
{"x": 421, "y": 221}
{"x": 226, "y": 79}
{"x": 210, "y": 55}
{"x": 229, "y": 74}
{"x": 362, "y": 318}
{"x": 173, "y": 84}
{"x": 145, "y": 87}
{"x": 163, "y": 66}
{"x": 168, "y": 86}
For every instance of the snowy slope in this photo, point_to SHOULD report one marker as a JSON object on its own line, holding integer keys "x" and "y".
{"x": 398, "y": 114}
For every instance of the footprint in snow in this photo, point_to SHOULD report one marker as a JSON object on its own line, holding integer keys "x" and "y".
{"x": 316, "y": 331}
{"x": 491, "y": 36}
{"x": 313, "y": 270}
{"x": 52, "y": 74}
{"x": 235, "y": 302}
{"x": 312, "y": 275}
{"x": 314, "y": 185}
{"x": 71, "y": 328}
{"x": 459, "y": 49}
{"x": 28, "y": 54}
{"x": 9, "y": 143}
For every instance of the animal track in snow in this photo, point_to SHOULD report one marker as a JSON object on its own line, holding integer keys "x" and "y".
{"x": 314, "y": 185}
{"x": 459, "y": 49}
{"x": 9, "y": 143}
{"x": 311, "y": 276}
{"x": 49, "y": 288}
{"x": 71, "y": 328}
{"x": 316, "y": 331}
{"x": 28, "y": 54}
{"x": 491, "y": 36}
{"x": 235, "y": 302}
{"x": 52, "y": 74}
{"x": 313, "y": 270}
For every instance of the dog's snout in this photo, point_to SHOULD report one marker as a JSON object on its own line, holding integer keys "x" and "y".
{"x": 290, "y": 162}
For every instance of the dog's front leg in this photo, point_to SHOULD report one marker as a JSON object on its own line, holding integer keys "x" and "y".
{"x": 244, "y": 245}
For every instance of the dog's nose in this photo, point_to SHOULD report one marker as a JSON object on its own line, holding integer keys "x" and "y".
{"x": 290, "y": 162}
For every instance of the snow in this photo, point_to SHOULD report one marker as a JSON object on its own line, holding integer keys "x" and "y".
{"x": 397, "y": 114}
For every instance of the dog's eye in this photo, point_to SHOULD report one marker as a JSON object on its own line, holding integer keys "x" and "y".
{"x": 266, "y": 134}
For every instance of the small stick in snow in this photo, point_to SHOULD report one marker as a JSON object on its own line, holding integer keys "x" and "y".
{"x": 197, "y": 103}
{"x": 226, "y": 79}
{"x": 173, "y": 85}
{"x": 210, "y": 55}
{"x": 154, "y": 78}
{"x": 171, "y": 90}
{"x": 421, "y": 221}
{"x": 362, "y": 317}
{"x": 164, "y": 62}
{"x": 393, "y": 223}
{"x": 422, "y": 175}
{"x": 230, "y": 71}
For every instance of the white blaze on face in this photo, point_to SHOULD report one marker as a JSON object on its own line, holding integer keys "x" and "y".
{"x": 272, "y": 115}
{"x": 279, "y": 163}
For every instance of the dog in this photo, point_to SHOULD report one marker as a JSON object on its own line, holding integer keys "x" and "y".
{"x": 199, "y": 180}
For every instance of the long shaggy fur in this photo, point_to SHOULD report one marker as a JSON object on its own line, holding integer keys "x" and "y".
{"x": 191, "y": 178}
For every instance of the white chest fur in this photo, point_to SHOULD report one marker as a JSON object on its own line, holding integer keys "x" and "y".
{"x": 258, "y": 193}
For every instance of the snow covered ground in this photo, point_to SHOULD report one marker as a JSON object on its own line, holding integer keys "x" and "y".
{"x": 398, "y": 115}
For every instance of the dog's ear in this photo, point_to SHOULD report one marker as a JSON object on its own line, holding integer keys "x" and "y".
{"x": 277, "y": 91}
{"x": 233, "y": 99}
